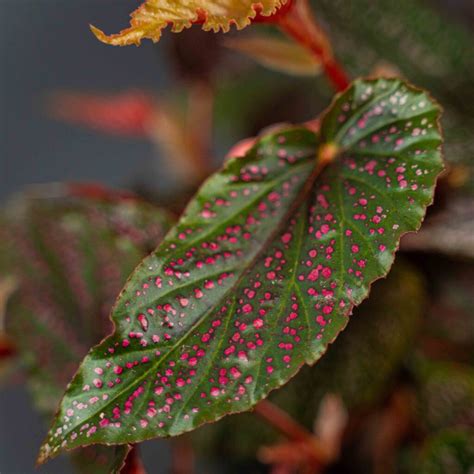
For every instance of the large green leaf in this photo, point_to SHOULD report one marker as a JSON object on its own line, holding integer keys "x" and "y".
{"x": 261, "y": 273}
{"x": 69, "y": 257}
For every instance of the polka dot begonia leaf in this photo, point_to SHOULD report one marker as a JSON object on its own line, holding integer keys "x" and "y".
{"x": 261, "y": 272}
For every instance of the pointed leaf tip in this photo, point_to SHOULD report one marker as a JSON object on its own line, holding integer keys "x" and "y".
{"x": 124, "y": 38}
{"x": 261, "y": 273}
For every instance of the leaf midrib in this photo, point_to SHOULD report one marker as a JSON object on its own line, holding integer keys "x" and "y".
{"x": 284, "y": 299}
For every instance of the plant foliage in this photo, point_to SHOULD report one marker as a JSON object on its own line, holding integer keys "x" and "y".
{"x": 262, "y": 271}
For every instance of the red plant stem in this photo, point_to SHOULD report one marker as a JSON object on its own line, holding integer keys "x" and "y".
{"x": 299, "y": 23}
{"x": 336, "y": 74}
{"x": 282, "y": 421}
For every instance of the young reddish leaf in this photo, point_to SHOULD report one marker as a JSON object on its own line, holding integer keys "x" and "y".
{"x": 66, "y": 258}
{"x": 261, "y": 273}
{"x": 154, "y": 15}
{"x": 7, "y": 287}
{"x": 128, "y": 113}
{"x": 276, "y": 53}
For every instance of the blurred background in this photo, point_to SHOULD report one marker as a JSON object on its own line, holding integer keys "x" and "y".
{"x": 64, "y": 97}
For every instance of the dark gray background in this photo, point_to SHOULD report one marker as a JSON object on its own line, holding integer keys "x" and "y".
{"x": 45, "y": 45}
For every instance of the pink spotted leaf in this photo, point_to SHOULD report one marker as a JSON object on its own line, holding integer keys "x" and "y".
{"x": 261, "y": 273}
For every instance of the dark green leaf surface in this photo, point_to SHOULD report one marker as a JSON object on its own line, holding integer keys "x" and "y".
{"x": 69, "y": 257}
{"x": 260, "y": 274}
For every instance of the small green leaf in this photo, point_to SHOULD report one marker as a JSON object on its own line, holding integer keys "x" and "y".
{"x": 261, "y": 273}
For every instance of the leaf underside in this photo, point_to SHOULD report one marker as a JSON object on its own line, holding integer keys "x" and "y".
{"x": 153, "y": 15}
{"x": 260, "y": 274}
